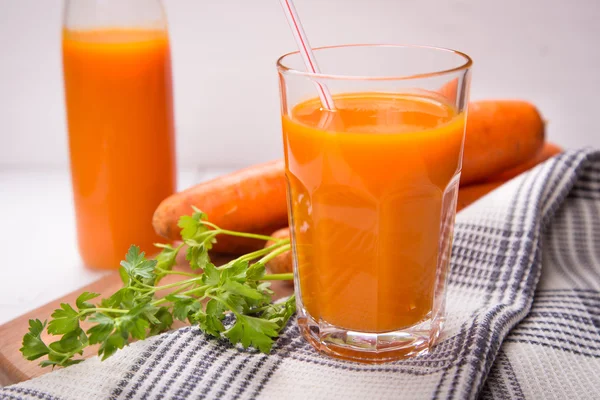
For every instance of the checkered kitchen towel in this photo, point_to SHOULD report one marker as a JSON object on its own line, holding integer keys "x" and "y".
{"x": 524, "y": 319}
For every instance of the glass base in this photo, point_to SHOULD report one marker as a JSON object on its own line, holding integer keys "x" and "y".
{"x": 370, "y": 348}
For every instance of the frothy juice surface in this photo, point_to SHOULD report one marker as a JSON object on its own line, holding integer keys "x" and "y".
{"x": 366, "y": 184}
{"x": 120, "y": 118}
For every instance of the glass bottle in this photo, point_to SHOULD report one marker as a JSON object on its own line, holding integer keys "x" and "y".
{"x": 119, "y": 102}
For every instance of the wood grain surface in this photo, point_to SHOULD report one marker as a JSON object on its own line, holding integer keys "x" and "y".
{"x": 14, "y": 368}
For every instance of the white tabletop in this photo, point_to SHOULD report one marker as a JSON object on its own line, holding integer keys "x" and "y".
{"x": 39, "y": 260}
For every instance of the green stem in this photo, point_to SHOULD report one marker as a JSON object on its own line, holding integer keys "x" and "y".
{"x": 103, "y": 310}
{"x": 178, "y": 283}
{"x": 159, "y": 302}
{"x": 170, "y": 272}
{"x": 133, "y": 278}
{"x": 261, "y": 252}
{"x": 258, "y": 310}
{"x": 67, "y": 355}
{"x": 139, "y": 289}
{"x": 194, "y": 290}
{"x": 187, "y": 293}
{"x": 274, "y": 254}
{"x": 278, "y": 277}
{"x": 181, "y": 289}
{"x": 240, "y": 234}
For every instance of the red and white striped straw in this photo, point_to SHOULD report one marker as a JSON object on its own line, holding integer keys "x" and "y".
{"x": 306, "y": 51}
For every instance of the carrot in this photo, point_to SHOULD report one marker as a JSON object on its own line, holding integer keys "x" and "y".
{"x": 250, "y": 200}
{"x": 549, "y": 150}
{"x": 283, "y": 262}
{"x": 500, "y": 135}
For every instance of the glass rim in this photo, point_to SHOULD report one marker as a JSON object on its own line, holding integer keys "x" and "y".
{"x": 282, "y": 68}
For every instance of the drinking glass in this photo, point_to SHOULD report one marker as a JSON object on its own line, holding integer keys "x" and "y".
{"x": 372, "y": 189}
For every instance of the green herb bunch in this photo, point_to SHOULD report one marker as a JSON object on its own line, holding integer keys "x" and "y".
{"x": 203, "y": 297}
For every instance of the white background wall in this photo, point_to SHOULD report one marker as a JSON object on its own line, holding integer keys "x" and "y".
{"x": 224, "y": 51}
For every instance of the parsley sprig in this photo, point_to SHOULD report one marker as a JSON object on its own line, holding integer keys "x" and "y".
{"x": 204, "y": 297}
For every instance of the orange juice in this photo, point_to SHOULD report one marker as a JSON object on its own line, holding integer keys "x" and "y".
{"x": 120, "y": 118}
{"x": 366, "y": 190}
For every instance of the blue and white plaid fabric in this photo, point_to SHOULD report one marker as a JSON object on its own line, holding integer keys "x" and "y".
{"x": 523, "y": 306}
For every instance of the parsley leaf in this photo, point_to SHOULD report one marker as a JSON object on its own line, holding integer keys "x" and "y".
{"x": 183, "y": 306}
{"x": 64, "y": 320}
{"x": 255, "y": 272}
{"x": 102, "y": 330}
{"x": 189, "y": 227}
{"x": 211, "y": 276}
{"x": 241, "y": 290}
{"x": 197, "y": 255}
{"x": 136, "y": 265}
{"x": 280, "y": 313}
{"x": 167, "y": 257}
{"x": 81, "y": 301}
{"x": 165, "y": 320}
{"x": 33, "y": 346}
{"x": 109, "y": 347}
{"x": 252, "y": 331}
{"x": 211, "y": 321}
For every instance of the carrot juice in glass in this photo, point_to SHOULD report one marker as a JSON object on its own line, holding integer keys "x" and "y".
{"x": 117, "y": 74}
{"x": 372, "y": 187}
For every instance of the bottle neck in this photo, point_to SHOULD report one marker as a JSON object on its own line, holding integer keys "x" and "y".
{"x": 114, "y": 14}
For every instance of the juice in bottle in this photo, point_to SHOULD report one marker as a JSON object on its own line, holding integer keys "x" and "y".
{"x": 121, "y": 138}
{"x": 371, "y": 186}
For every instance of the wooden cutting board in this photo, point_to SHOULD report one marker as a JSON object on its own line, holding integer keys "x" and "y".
{"x": 14, "y": 368}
